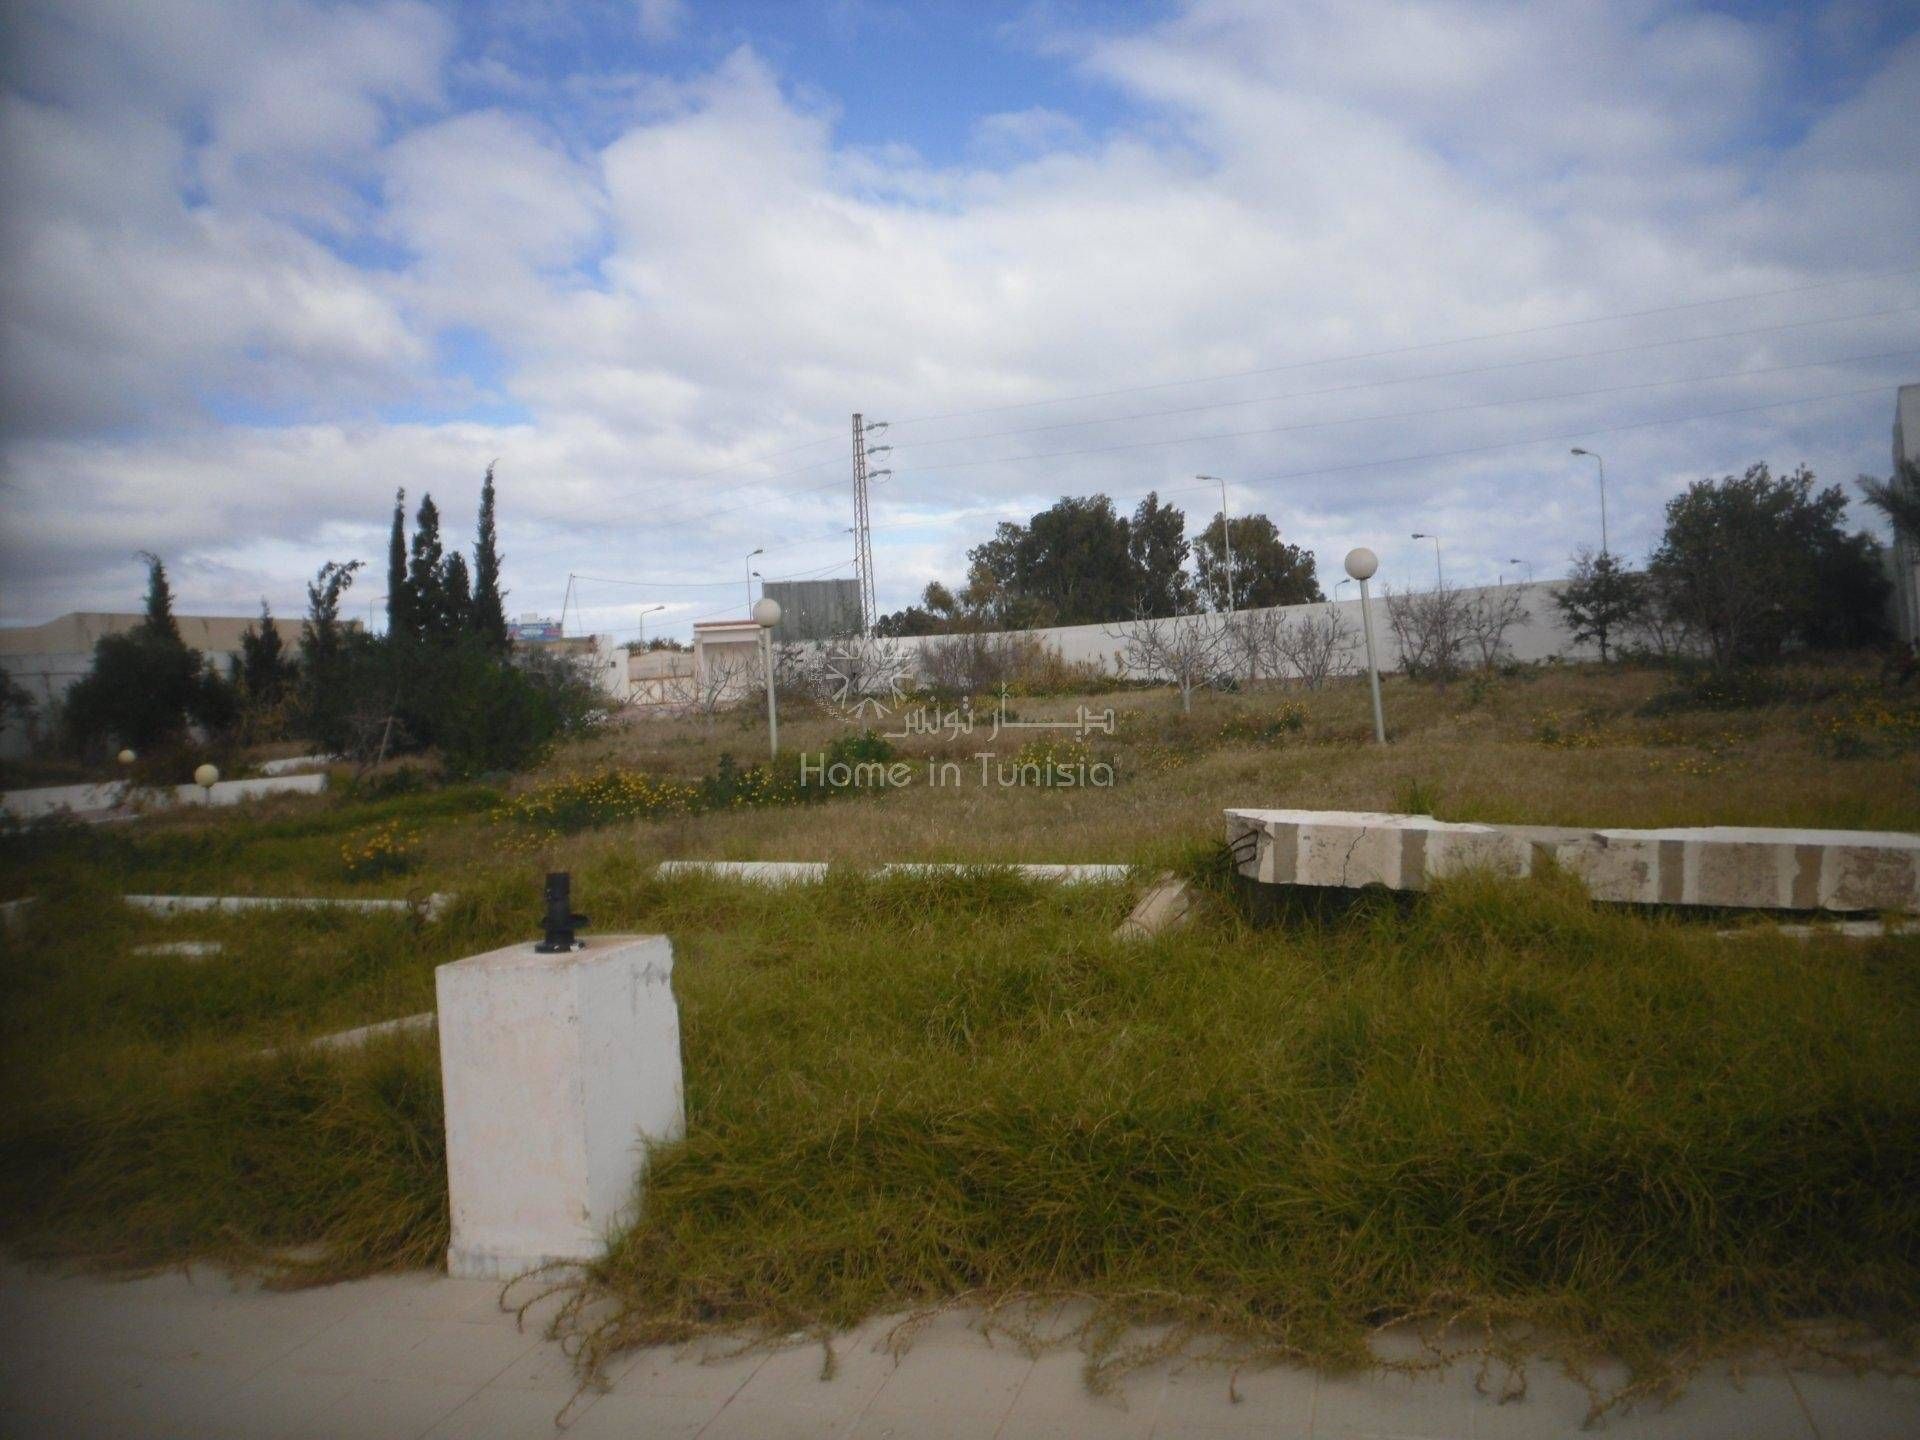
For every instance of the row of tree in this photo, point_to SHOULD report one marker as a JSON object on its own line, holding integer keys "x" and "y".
{"x": 443, "y": 676}
{"x": 1081, "y": 562}
{"x": 1748, "y": 566}
{"x": 432, "y": 596}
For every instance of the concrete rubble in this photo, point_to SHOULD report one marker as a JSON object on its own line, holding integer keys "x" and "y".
{"x": 1167, "y": 906}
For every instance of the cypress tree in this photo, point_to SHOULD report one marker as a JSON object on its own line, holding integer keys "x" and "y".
{"x": 456, "y": 593}
{"x": 489, "y": 607}
{"x": 159, "y": 622}
{"x": 400, "y": 609}
{"x": 425, "y": 582}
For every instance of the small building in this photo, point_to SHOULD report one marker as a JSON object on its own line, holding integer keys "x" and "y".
{"x": 727, "y": 660}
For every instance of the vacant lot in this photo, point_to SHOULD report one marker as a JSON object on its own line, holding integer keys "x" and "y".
{"x": 1501, "y": 1103}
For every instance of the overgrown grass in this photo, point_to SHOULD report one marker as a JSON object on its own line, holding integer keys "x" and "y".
{"x": 1503, "y": 1104}
{"x": 158, "y": 1107}
{"x": 1496, "y": 1101}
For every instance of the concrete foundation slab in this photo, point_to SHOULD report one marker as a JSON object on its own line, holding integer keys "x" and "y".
{"x": 752, "y": 872}
{"x": 428, "y": 908}
{"x": 810, "y": 872}
{"x": 182, "y": 949}
{"x": 558, "y": 1070}
{"x": 361, "y": 1034}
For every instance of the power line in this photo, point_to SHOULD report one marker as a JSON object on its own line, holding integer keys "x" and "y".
{"x": 1412, "y": 349}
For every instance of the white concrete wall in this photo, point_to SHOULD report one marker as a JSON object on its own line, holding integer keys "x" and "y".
{"x": 1541, "y": 637}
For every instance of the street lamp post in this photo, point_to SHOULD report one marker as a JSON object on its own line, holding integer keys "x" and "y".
{"x": 642, "y": 641}
{"x": 1516, "y": 560}
{"x": 1439, "y": 578}
{"x": 1594, "y": 456}
{"x": 750, "y": 554}
{"x": 767, "y": 615}
{"x": 1361, "y": 565}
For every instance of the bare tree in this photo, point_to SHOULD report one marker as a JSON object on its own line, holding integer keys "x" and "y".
{"x": 799, "y": 672}
{"x": 1253, "y": 643}
{"x": 1488, "y": 616}
{"x": 1186, "y": 651}
{"x": 865, "y": 675}
{"x": 1655, "y": 627}
{"x": 1317, "y": 646}
{"x": 1431, "y": 628}
{"x": 718, "y": 682}
{"x": 970, "y": 663}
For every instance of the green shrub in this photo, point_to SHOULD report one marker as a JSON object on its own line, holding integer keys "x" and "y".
{"x": 1289, "y": 718}
{"x": 1732, "y": 689}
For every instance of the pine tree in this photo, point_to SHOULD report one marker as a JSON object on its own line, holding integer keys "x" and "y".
{"x": 401, "y": 618}
{"x": 159, "y": 622}
{"x": 425, "y": 582}
{"x": 489, "y": 607}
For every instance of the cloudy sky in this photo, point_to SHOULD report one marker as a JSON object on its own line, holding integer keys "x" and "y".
{"x": 1381, "y": 265}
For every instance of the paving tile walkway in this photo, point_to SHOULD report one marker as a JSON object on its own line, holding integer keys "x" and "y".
{"x": 200, "y": 1357}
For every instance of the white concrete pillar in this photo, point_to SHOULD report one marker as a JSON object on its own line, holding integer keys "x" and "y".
{"x": 557, "y": 1070}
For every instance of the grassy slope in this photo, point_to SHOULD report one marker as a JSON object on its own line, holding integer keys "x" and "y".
{"x": 1504, "y": 1100}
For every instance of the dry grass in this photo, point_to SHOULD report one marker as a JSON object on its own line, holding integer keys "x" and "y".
{"x": 1555, "y": 746}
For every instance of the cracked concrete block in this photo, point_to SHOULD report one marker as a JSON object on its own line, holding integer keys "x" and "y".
{"x": 1351, "y": 849}
{"x": 1614, "y": 866}
{"x": 1857, "y": 877}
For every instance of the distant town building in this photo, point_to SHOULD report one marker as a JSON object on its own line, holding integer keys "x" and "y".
{"x": 727, "y": 659}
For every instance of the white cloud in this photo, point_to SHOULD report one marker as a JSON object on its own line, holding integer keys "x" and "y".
{"x": 725, "y": 278}
{"x": 660, "y": 20}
